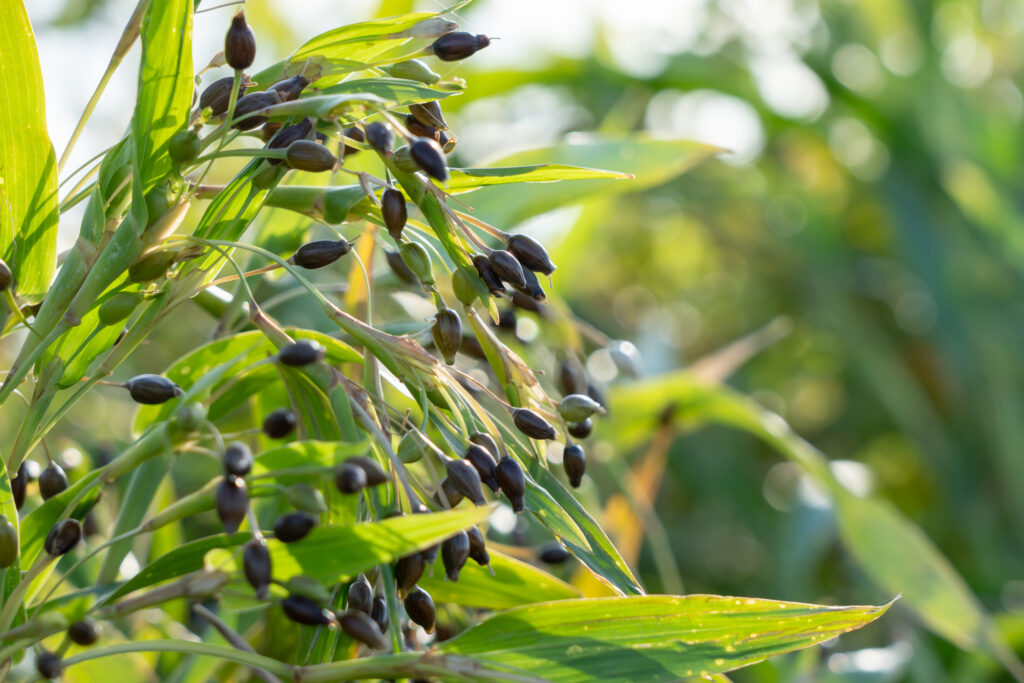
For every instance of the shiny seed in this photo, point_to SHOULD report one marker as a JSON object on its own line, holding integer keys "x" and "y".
{"x": 250, "y": 104}
{"x": 293, "y": 526}
{"x": 359, "y": 626}
{"x": 232, "y": 502}
{"x": 394, "y": 212}
{"x": 553, "y": 553}
{"x": 310, "y": 156}
{"x": 574, "y": 461}
{"x": 290, "y": 88}
{"x": 487, "y": 441}
{"x": 19, "y": 484}
{"x": 279, "y": 423}
{"x": 380, "y": 137}
{"x": 578, "y": 407}
{"x": 429, "y": 157}
{"x": 320, "y": 253}
{"x": 459, "y": 45}
{"x": 302, "y": 610}
{"x": 484, "y": 463}
{"x": 360, "y": 595}
{"x": 85, "y": 631}
{"x": 532, "y": 424}
{"x": 52, "y": 481}
{"x": 237, "y": 459}
{"x": 454, "y": 553}
{"x": 531, "y": 254}
{"x": 49, "y": 665}
{"x": 350, "y": 478}
{"x": 239, "y": 43}
{"x": 581, "y": 430}
{"x": 512, "y": 480}
{"x": 301, "y": 353}
{"x": 490, "y": 278}
{"x": 256, "y": 565}
{"x": 379, "y": 613}
{"x": 64, "y": 536}
{"x": 409, "y": 570}
{"x": 420, "y": 608}
{"x": 375, "y": 475}
{"x": 447, "y": 333}
{"x": 152, "y": 389}
{"x": 465, "y": 479}
{"x": 506, "y": 267}
{"x": 478, "y": 547}
{"x": 429, "y": 113}
{"x": 284, "y": 137}
{"x": 217, "y": 95}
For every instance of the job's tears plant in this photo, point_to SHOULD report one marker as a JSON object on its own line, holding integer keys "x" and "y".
{"x": 358, "y": 465}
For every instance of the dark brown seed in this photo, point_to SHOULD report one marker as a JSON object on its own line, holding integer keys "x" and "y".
{"x": 574, "y": 461}
{"x": 429, "y": 113}
{"x": 239, "y": 43}
{"x": 553, "y": 553}
{"x": 85, "y": 631}
{"x": 8, "y": 542}
{"x": 279, "y": 423}
{"x": 532, "y": 424}
{"x": 532, "y": 288}
{"x": 301, "y": 353}
{"x": 399, "y": 267}
{"x": 581, "y": 430}
{"x": 64, "y": 536}
{"x": 356, "y": 134}
{"x": 429, "y": 555}
{"x": 526, "y": 302}
{"x": 409, "y": 570}
{"x": 232, "y": 502}
{"x": 380, "y": 138}
{"x": 359, "y": 626}
{"x": 531, "y": 254}
{"x": 293, "y": 526}
{"x": 465, "y": 479}
{"x": 506, "y": 267}
{"x": 459, "y": 45}
{"x": 512, "y": 480}
{"x": 419, "y": 129}
{"x": 217, "y": 95}
{"x": 320, "y": 253}
{"x": 237, "y": 459}
{"x": 307, "y": 155}
{"x": 350, "y": 478}
{"x": 152, "y": 389}
{"x": 18, "y": 486}
{"x": 375, "y": 476}
{"x": 302, "y": 610}
{"x": 90, "y": 527}
{"x": 487, "y": 441}
{"x": 491, "y": 280}
{"x": 52, "y": 481}
{"x": 290, "y": 88}
{"x": 478, "y": 547}
{"x": 379, "y": 613}
{"x": 250, "y": 104}
{"x": 420, "y": 608}
{"x": 484, "y": 463}
{"x": 454, "y": 553}
{"x": 286, "y": 136}
{"x": 256, "y": 565}
{"x": 49, "y": 665}
{"x": 507, "y": 320}
{"x": 394, "y": 212}
{"x": 360, "y": 595}
{"x": 470, "y": 346}
{"x": 429, "y": 157}
{"x": 573, "y": 377}
{"x": 453, "y": 496}
{"x": 447, "y": 333}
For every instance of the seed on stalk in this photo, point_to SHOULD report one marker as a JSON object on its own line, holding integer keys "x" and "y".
{"x": 250, "y": 104}
{"x": 19, "y": 484}
{"x": 486, "y": 440}
{"x": 152, "y": 389}
{"x": 419, "y": 129}
{"x": 184, "y": 146}
{"x": 487, "y": 274}
{"x": 532, "y": 424}
{"x": 8, "y": 542}
{"x": 573, "y": 377}
{"x": 279, "y": 423}
{"x": 525, "y": 301}
{"x": 359, "y": 626}
{"x": 459, "y": 45}
{"x": 413, "y": 70}
{"x": 302, "y": 610}
{"x": 506, "y": 267}
{"x": 290, "y": 88}
{"x": 6, "y": 276}
{"x": 301, "y": 353}
{"x": 420, "y": 608}
{"x": 49, "y": 664}
{"x": 574, "y": 461}
{"x": 470, "y": 346}
{"x": 380, "y": 137}
{"x": 512, "y": 480}
{"x": 429, "y": 156}
{"x": 532, "y": 288}
{"x": 232, "y": 502}
{"x": 375, "y": 476}
{"x": 152, "y": 266}
{"x": 354, "y": 133}
{"x": 416, "y": 257}
{"x": 626, "y": 358}
{"x": 85, "y": 631}
{"x": 293, "y": 526}
{"x": 360, "y": 595}
{"x": 217, "y": 95}
{"x": 478, "y": 547}
{"x": 379, "y": 613}
{"x": 284, "y": 137}
{"x": 454, "y": 553}
{"x": 451, "y": 494}
{"x": 463, "y": 286}
{"x": 578, "y": 407}
{"x": 429, "y": 113}
{"x": 350, "y": 478}
{"x": 484, "y": 463}
{"x": 581, "y": 430}
{"x": 64, "y": 536}
{"x": 119, "y": 306}
{"x": 239, "y": 43}
{"x": 404, "y": 161}
{"x": 256, "y": 565}
{"x": 553, "y": 553}
{"x": 465, "y": 479}
{"x": 531, "y": 254}
{"x": 447, "y": 333}
{"x": 52, "y": 481}
{"x": 237, "y": 459}
{"x": 394, "y": 212}
{"x": 310, "y": 156}
{"x": 408, "y": 570}
{"x": 319, "y": 253}
{"x": 399, "y": 267}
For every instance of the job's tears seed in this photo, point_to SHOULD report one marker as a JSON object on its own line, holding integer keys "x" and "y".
{"x": 290, "y": 88}
{"x": 416, "y": 257}
{"x": 360, "y": 595}
{"x": 256, "y": 565}
{"x": 279, "y": 423}
{"x": 64, "y": 536}
{"x": 485, "y": 464}
{"x": 239, "y": 43}
{"x": 359, "y": 626}
{"x": 532, "y": 424}
{"x": 429, "y": 157}
{"x": 420, "y": 608}
{"x": 301, "y": 353}
{"x": 52, "y": 481}
{"x": 310, "y": 156}
{"x": 553, "y": 553}
{"x": 8, "y": 542}
{"x": 419, "y": 129}
{"x": 447, "y": 333}
{"x": 320, "y": 253}
{"x": 85, "y": 631}
{"x": 237, "y": 459}
{"x": 379, "y": 613}
{"x": 246, "y": 108}
{"x": 487, "y": 274}
{"x": 302, "y": 610}
{"x": 19, "y": 484}
{"x": 380, "y": 137}
{"x": 506, "y": 267}
{"x": 232, "y": 502}
{"x": 581, "y": 430}
{"x": 217, "y": 95}
{"x": 284, "y": 137}
{"x": 574, "y": 461}
{"x": 459, "y": 45}
{"x": 531, "y": 254}
{"x": 293, "y": 526}
{"x": 478, "y": 547}
{"x": 398, "y": 266}
{"x": 152, "y": 389}
{"x": 408, "y": 570}
{"x": 350, "y": 478}
{"x": 512, "y": 481}
{"x": 532, "y": 288}
{"x": 49, "y": 664}
{"x": 394, "y": 212}
{"x": 578, "y": 407}
{"x": 465, "y": 479}
{"x": 429, "y": 113}
{"x": 454, "y": 553}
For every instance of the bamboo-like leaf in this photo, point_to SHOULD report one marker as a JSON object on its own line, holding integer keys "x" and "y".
{"x": 514, "y": 583}
{"x": 465, "y": 179}
{"x": 399, "y": 92}
{"x": 306, "y": 454}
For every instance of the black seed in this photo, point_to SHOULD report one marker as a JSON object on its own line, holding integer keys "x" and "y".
{"x": 232, "y": 502}
{"x": 525, "y": 301}
{"x": 49, "y": 665}
{"x": 394, "y": 212}
{"x": 487, "y": 441}
{"x": 531, "y": 254}
{"x": 359, "y": 626}
{"x": 478, "y": 547}
{"x": 419, "y": 129}
{"x": 293, "y": 526}
{"x": 420, "y": 608}
{"x": 429, "y": 113}
{"x": 375, "y": 476}
{"x": 484, "y": 463}
{"x": 320, "y": 253}
{"x": 307, "y": 155}
{"x": 465, "y": 479}
{"x": 301, "y": 353}
{"x": 286, "y": 136}
{"x": 237, "y": 459}
{"x": 409, "y": 570}
{"x": 574, "y": 461}
{"x": 454, "y": 553}
{"x": 217, "y": 95}
{"x": 290, "y": 88}
{"x": 5, "y": 275}
{"x": 470, "y": 346}
{"x": 553, "y": 553}
{"x": 491, "y": 280}
{"x": 90, "y": 527}
{"x": 8, "y": 542}
{"x": 302, "y": 610}
{"x": 256, "y": 565}
{"x": 354, "y": 133}
{"x": 532, "y": 288}
{"x": 152, "y": 389}
{"x": 380, "y": 137}
{"x": 252, "y": 103}
{"x": 52, "y": 481}
{"x": 429, "y": 156}
{"x": 64, "y": 536}
{"x": 532, "y": 424}
{"x": 459, "y": 45}
{"x": 512, "y": 480}
{"x": 239, "y": 43}
{"x": 506, "y": 267}
{"x": 379, "y": 613}
{"x": 399, "y": 267}
{"x": 447, "y": 333}
{"x": 279, "y": 423}
{"x": 581, "y": 430}
{"x": 451, "y": 494}
{"x": 350, "y": 478}
{"x": 19, "y": 483}
{"x": 85, "y": 631}
{"x": 573, "y": 377}
{"x": 360, "y": 595}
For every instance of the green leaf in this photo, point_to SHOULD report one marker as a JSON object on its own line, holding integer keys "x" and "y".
{"x": 37, "y": 524}
{"x": 466, "y": 179}
{"x": 327, "y": 107}
{"x": 514, "y": 583}
{"x": 28, "y": 167}
{"x": 398, "y": 91}
{"x": 305, "y": 454}
{"x": 650, "y": 638}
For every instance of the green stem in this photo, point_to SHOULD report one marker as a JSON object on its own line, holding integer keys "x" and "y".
{"x": 250, "y": 659}
{"x": 250, "y": 153}
{"x": 16, "y": 597}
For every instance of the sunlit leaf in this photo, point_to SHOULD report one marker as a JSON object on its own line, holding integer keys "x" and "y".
{"x": 463, "y": 179}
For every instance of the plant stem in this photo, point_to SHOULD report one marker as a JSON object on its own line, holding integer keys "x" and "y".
{"x": 249, "y": 659}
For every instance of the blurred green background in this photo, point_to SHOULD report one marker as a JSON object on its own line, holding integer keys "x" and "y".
{"x": 871, "y": 199}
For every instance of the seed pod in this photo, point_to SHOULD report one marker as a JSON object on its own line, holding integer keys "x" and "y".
{"x": 290, "y": 88}
{"x": 293, "y": 526}
{"x": 532, "y": 424}
{"x": 486, "y": 440}
{"x": 459, "y": 45}
{"x": 306, "y": 155}
{"x": 465, "y": 479}
{"x": 237, "y": 459}
{"x": 250, "y": 104}
{"x": 429, "y": 157}
{"x": 413, "y": 70}
{"x": 302, "y": 610}
{"x": 279, "y": 423}
{"x": 184, "y": 146}
{"x": 471, "y": 347}
{"x": 119, "y": 306}
{"x": 152, "y": 389}
{"x": 531, "y": 254}
{"x": 269, "y": 176}
{"x": 451, "y": 494}
{"x": 350, "y": 478}
{"x": 64, "y": 536}
{"x": 49, "y": 665}
{"x": 553, "y": 553}
{"x": 462, "y": 285}
{"x": 506, "y": 267}
{"x": 359, "y": 626}
{"x": 380, "y": 137}
{"x": 404, "y": 161}
{"x": 420, "y": 608}
{"x": 409, "y": 570}
{"x": 412, "y": 446}
{"x": 239, "y": 43}
{"x": 532, "y": 288}
{"x": 85, "y": 631}
{"x": 19, "y": 483}
{"x": 52, "y": 481}
{"x": 284, "y": 137}
{"x": 301, "y": 353}
{"x": 447, "y": 333}
{"x": 429, "y": 113}
{"x": 512, "y": 480}
{"x": 320, "y": 253}
{"x": 355, "y": 133}
{"x": 574, "y": 461}
{"x": 394, "y": 212}
{"x": 581, "y": 430}
{"x": 256, "y": 565}
{"x": 6, "y": 276}
{"x": 379, "y": 613}
{"x": 417, "y": 128}
{"x": 416, "y": 257}
{"x": 484, "y": 463}
{"x": 478, "y": 547}
{"x": 375, "y": 476}
{"x": 217, "y": 95}
{"x": 490, "y": 278}
{"x": 360, "y": 595}
{"x": 454, "y": 553}
{"x": 399, "y": 267}
{"x": 153, "y": 265}
{"x": 578, "y": 407}
{"x": 8, "y": 543}
{"x": 304, "y": 497}
{"x": 232, "y": 502}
